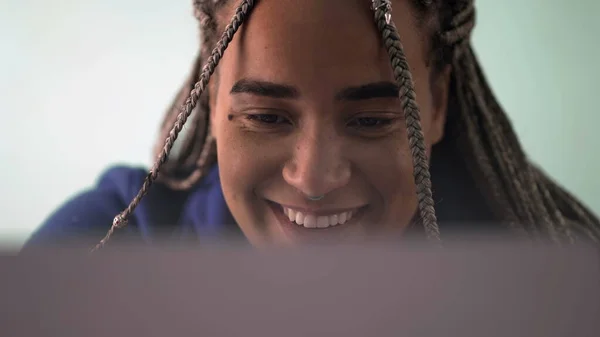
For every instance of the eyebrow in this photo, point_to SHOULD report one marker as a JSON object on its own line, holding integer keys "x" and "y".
{"x": 265, "y": 89}
{"x": 369, "y": 91}
{"x": 283, "y": 91}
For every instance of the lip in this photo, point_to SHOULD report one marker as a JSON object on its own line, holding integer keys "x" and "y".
{"x": 318, "y": 211}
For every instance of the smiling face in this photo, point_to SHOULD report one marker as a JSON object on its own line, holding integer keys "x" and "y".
{"x": 305, "y": 104}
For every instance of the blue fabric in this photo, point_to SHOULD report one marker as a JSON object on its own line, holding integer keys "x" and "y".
{"x": 202, "y": 214}
{"x": 199, "y": 213}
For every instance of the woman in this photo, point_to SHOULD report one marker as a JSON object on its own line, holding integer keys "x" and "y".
{"x": 304, "y": 132}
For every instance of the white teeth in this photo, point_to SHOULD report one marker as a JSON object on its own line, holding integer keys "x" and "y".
{"x": 314, "y": 221}
{"x": 310, "y": 221}
{"x": 343, "y": 218}
{"x": 291, "y": 214}
{"x": 299, "y": 218}
{"x": 323, "y": 221}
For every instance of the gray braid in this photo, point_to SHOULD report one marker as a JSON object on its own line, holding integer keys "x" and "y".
{"x": 198, "y": 151}
{"x": 408, "y": 101}
{"x": 241, "y": 14}
{"x": 518, "y": 192}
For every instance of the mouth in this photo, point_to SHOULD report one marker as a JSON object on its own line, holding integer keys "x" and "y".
{"x": 308, "y": 220}
{"x": 317, "y": 220}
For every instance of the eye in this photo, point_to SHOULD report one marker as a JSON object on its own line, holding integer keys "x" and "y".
{"x": 370, "y": 122}
{"x": 270, "y": 119}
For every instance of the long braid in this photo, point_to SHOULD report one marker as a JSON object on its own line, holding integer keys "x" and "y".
{"x": 241, "y": 14}
{"x": 509, "y": 154}
{"x": 411, "y": 114}
{"x": 500, "y": 153}
{"x": 204, "y": 12}
{"x": 523, "y": 193}
{"x": 198, "y": 150}
{"x": 468, "y": 127}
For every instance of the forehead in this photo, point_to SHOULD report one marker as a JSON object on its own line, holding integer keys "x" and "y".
{"x": 330, "y": 42}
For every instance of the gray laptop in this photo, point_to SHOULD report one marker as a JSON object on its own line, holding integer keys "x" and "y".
{"x": 376, "y": 290}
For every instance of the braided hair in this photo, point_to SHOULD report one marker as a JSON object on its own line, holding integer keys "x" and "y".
{"x": 518, "y": 193}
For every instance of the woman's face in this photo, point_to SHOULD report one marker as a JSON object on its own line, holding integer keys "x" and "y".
{"x": 305, "y": 104}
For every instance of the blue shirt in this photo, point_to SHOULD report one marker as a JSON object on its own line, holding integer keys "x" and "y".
{"x": 202, "y": 213}
{"x": 162, "y": 214}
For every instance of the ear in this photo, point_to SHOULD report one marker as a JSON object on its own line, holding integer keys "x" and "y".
{"x": 440, "y": 88}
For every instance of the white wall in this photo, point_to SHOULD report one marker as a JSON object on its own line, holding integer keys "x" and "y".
{"x": 83, "y": 85}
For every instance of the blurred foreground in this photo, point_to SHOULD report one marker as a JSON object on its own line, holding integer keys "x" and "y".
{"x": 496, "y": 289}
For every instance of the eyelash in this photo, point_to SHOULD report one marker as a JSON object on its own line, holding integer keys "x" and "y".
{"x": 380, "y": 122}
{"x": 260, "y": 118}
{"x": 272, "y": 120}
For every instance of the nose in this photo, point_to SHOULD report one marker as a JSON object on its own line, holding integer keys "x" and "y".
{"x": 318, "y": 165}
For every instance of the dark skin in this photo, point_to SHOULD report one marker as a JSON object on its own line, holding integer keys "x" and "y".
{"x": 305, "y": 105}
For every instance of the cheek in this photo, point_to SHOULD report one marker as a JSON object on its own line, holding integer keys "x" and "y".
{"x": 388, "y": 168}
{"x": 242, "y": 168}
{"x": 245, "y": 164}
{"x": 389, "y": 171}
{"x": 239, "y": 161}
